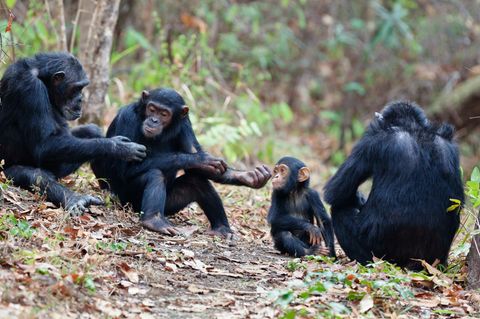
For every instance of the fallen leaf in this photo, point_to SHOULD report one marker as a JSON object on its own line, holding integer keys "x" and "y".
{"x": 129, "y": 272}
{"x": 366, "y": 303}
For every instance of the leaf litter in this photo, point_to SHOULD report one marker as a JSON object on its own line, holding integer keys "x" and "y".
{"x": 104, "y": 265}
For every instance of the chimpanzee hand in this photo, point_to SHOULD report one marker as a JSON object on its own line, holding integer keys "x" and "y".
{"x": 256, "y": 178}
{"x": 315, "y": 235}
{"x": 78, "y": 204}
{"x": 210, "y": 164}
{"x": 128, "y": 150}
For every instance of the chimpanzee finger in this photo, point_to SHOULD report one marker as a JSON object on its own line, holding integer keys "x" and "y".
{"x": 266, "y": 172}
{"x": 218, "y": 166}
{"x": 122, "y": 138}
{"x": 96, "y": 201}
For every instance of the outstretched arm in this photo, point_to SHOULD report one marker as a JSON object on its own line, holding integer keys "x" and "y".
{"x": 256, "y": 178}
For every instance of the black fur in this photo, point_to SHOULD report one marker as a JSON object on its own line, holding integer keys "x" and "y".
{"x": 415, "y": 170}
{"x": 38, "y": 96}
{"x": 152, "y": 186}
{"x": 294, "y": 209}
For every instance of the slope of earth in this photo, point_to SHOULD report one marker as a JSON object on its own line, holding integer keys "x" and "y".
{"x": 104, "y": 265}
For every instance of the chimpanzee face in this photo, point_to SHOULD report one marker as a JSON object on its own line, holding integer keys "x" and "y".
{"x": 288, "y": 173}
{"x": 67, "y": 95}
{"x": 281, "y": 173}
{"x": 157, "y": 118}
{"x": 159, "y": 115}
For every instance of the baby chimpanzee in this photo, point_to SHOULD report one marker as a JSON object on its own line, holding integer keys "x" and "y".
{"x": 294, "y": 208}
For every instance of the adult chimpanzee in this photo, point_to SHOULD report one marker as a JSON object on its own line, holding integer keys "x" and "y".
{"x": 38, "y": 96}
{"x": 294, "y": 209}
{"x": 159, "y": 120}
{"x": 415, "y": 171}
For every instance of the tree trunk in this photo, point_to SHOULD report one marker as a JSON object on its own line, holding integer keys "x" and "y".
{"x": 473, "y": 260}
{"x": 56, "y": 12}
{"x": 95, "y": 54}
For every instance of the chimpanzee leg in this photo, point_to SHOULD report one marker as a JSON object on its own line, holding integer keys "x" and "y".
{"x": 287, "y": 243}
{"x": 346, "y": 226}
{"x": 152, "y": 202}
{"x": 31, "y": 178}
{"x": 190, "y": 188}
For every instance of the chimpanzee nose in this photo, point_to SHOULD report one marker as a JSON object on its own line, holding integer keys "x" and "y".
{"x": 155, "y": 120}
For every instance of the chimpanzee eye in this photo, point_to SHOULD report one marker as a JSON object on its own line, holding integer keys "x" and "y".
{"x": 152, "y": 109}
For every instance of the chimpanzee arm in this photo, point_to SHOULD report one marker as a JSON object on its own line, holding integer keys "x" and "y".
{"x": 323, "y": 220}
{"x": 255, "y": 178}
{"x": 290, "y": 223}
{"x": 65, "y": 148}
{"x": 165, "y": 161}
{"x": 280, "y": 220}
{"x": 341, "y": 189}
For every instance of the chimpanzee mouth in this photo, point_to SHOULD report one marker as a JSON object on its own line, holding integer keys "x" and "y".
{"x": 72, "y": 115}
{"x": 151, "y": 132}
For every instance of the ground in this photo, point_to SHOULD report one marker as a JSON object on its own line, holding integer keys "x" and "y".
{"x": 104, "y": 265}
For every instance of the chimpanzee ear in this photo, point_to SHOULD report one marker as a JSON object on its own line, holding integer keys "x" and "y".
{"x": 303, "y": 174}
{"x": 145, "y": 95}
{"x": 58, "y": 77}
{"x": 185, "y": 110}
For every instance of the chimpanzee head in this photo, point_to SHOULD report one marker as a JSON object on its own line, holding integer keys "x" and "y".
{"x": 290, "y": 174}
{"x": 402, "y": 114}
{"x": 64, "y": 78}
{"x": 162, "y": 110}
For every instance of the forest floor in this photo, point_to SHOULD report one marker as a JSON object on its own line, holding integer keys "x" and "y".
{"x": 104, "y": 265}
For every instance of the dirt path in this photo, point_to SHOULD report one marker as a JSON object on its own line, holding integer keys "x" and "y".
{"x": 104, "y": 265}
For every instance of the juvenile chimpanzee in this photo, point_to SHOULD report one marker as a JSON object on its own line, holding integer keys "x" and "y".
{"x": 38, "y": 96}
{"x": 414, "y": 166}
{"x": 295, "y": 208}
{"x": 159, "y": 120}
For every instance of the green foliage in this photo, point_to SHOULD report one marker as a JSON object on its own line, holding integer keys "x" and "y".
{"x": 16, "y": 227}
{"x": 235, "y": 131}
{"x": 473, "y": 187}
{"x": 112, "y": 246}
{"x": 378, "y": 280}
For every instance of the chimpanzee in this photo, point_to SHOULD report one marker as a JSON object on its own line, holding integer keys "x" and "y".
{"x": 159, "y": 120}
{"x": 295, "y": 208}
{"x": 38, "y": 96}
{"x": 415, "y": 171}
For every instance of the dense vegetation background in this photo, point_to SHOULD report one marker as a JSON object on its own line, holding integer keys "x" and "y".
{"x": 268, "y": 78}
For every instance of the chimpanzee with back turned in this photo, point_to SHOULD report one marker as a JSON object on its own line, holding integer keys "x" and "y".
{"x": 295, "y": 208}
{"x": 38, "y": 96}
{"x": 415, "y": 171}
{"x": 159, "y": 120}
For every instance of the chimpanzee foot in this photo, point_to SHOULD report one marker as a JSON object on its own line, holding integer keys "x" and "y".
{"x": 222, "y": 231}
{"x": 160, "y": 225}
{"x": 256, "y": 178}
{"x": 78, "y": 204}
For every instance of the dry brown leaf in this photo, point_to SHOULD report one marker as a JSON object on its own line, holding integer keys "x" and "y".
{"x": 131, "y": 274}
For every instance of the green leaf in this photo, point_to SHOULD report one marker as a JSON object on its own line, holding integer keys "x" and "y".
{"x": 453, "y": 207}
{"x": 10, "y": 3}
{"x": 475, "y": 175}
